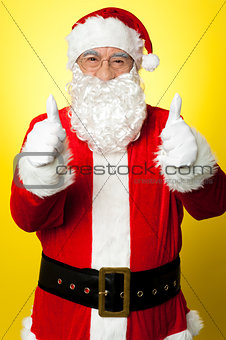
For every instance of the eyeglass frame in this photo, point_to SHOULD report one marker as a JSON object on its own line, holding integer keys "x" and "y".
{"x": 96, "y": 54}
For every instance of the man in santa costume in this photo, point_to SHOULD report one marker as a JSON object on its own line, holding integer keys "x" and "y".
{"x": 105, "y": 195}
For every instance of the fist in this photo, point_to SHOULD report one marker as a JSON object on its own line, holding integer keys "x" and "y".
{"x": 46, "y": 136}
{"x": 178, "y": 141}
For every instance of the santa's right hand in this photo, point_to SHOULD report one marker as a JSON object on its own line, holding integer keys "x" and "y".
{"x": 47, "y": 136}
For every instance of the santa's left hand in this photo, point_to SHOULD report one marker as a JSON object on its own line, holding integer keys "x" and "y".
{"x": 178, "y": 142}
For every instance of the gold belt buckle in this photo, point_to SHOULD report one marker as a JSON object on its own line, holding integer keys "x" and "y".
{"x": 103, "y": 293}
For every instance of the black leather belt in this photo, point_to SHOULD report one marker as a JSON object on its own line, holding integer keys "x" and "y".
{"x": 113, "y": 291}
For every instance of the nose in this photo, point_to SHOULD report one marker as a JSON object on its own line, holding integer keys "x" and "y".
{"x": 105, "y": 72}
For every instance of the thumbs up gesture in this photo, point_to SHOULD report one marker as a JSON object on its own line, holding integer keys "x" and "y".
{"x": 46, "y": 136}
{"x": 178, "y": 142}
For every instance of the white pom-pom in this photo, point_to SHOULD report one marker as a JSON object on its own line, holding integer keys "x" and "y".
{"x": 150, "y": 62}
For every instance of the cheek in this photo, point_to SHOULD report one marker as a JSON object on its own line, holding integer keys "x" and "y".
{"x": 118, "y": 73}
{"x": 88, "y": 73}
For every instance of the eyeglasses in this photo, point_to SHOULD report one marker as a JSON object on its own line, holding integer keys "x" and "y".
{"x": 93, "y": 62}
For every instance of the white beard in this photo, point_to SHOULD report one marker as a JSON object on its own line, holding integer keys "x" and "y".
{"x": 108, "y": 115}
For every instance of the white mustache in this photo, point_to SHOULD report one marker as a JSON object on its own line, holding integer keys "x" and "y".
{"x": 111, "y": 112}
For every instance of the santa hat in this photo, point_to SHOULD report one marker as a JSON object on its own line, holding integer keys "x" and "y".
{"x": 112, "y": 27}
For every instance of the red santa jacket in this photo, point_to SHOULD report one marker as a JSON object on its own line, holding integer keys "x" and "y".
{"x": 64, "y": 224}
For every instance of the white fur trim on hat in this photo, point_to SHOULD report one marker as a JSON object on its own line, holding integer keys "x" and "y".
{"x": 100, "y": 32}
{"x": 190, "y": 178}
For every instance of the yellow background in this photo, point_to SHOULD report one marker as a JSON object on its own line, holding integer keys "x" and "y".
{"x": 175, "y": 27}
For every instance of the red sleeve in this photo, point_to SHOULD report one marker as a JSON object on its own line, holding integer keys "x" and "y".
{"x": 210, "y": 201}
{"x": 30, "y": 212}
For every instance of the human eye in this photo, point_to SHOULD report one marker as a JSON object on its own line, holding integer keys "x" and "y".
{"x": 118, "y": 62}
{"x": 92, "y": 59}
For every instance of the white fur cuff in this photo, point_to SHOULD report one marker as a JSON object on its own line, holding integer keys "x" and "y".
{"x": 194, "y": 325}
{"x": 188, "y": 178}
{"x": 49, "y": 179}
{"x": 26, "y": 333}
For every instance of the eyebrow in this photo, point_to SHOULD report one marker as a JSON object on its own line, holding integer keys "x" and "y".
{"x": 115, "y": 55}
{"x": 90, "y": 52}
{"x": 120, "y": 54}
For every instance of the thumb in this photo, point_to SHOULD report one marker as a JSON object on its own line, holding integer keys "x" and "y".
{"x": 175, "y": 109}
{"x": 52, "y": 110}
